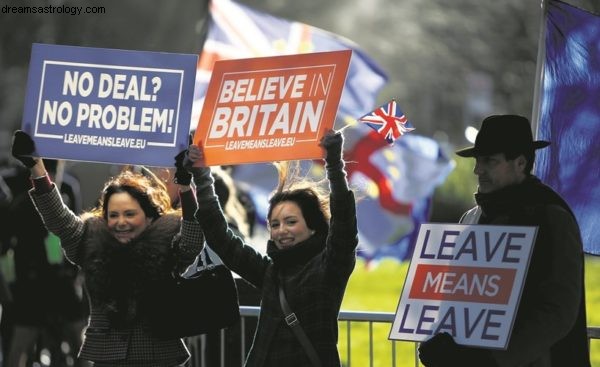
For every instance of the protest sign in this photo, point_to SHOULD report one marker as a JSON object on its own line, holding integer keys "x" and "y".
{"x": 107, "y": 105}
{"x": 271, "y": 108}
{"x": 465, "y": 280}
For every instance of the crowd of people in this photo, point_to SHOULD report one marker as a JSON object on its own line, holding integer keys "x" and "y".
{"x": 81, "y": 277}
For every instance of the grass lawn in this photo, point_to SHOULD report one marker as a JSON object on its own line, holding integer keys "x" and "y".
{"x": 379, "y": 289}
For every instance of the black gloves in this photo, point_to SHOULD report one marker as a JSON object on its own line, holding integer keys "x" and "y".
{"x": 442, "y": 351}
{"x": 182, "y": 176}
{"x": 23, "y": 147}
{"x": 332, "y": 143}
{"x": 334, "y": 165}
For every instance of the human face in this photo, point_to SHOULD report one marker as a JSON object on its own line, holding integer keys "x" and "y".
{"x": 494, "y": 172}
{"x": 287, "y": 225}
{"x": 125, "y": 217}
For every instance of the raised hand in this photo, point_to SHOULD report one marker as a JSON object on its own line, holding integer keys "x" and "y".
{"x": 23, "y": 148}
{"x": 195, "y": 164}
{"x": 195, "y": 154}
{"x": 182, "y": 176}
{"x": 332, "y": 141}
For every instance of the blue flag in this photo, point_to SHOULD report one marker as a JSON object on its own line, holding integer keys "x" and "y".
{"x": 396, "y": 184}
{"x": 570, "y": 115}
{"x": 237, "y": 31}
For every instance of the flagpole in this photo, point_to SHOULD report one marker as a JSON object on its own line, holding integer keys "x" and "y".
{"x": 539, "y": 70}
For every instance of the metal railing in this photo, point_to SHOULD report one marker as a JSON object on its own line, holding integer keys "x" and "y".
{"x": 198, "y": 345}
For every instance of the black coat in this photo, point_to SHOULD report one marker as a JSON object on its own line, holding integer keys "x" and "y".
{"x": 550, "y": 325}
{"x": 314, "y": 275}
{"x": 117, "y": 276}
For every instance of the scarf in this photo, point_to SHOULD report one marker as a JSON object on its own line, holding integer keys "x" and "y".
{"x": 298, "y": 254}
{"x": 120, "y": 276}
{"x": 531, "y": 192}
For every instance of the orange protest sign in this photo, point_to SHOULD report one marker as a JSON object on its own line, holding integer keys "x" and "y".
{"x": 271, "y": 108}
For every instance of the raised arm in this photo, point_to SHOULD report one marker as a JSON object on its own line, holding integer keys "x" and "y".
{"x": 343, "y": 237}
{"x": 235, "y": 253}
{"x": 57, "y": 217}
{"x": 192, "y": 238}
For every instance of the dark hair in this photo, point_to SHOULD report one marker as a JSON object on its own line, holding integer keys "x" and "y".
{"x": 529, "y": 156}
{"x": 149, "y": 192}
{"x": 307, "y": 194}
{"x": 310, "y": 204}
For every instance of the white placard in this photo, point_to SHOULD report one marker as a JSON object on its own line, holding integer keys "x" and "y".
{"x": 465, "y": 280}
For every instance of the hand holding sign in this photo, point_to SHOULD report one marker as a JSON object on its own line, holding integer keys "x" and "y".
{"x": 332, "y": 142}
{"x": 182, "y": 176}
{"x": 23, "y": 148}
{"x": 195, "y": 164}
{"x": 442, "y": 350}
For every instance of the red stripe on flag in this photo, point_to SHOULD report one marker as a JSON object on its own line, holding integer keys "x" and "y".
{"x": 360, "y": 154}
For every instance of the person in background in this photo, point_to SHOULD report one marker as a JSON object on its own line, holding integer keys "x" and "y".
{"x": 240, "y": 222}
{"x": 48, "y": 306}
{"x": 129, "y": 242}
{"x": 310, "y": 257}
{"x": 550, "y": 325}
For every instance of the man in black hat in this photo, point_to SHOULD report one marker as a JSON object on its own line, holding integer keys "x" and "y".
{"x": 550, "y": 324}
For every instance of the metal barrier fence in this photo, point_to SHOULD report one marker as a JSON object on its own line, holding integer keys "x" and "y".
{"x": 198, "y": 345}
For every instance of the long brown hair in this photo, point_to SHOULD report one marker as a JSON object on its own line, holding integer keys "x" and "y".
{"x": 309, "y": 195}
{"x": 147, "y": 189}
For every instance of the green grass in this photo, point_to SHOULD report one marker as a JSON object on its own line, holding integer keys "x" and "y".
{"x": 379, "y": 289}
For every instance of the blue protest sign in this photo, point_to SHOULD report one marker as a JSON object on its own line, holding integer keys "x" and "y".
{"x": 107, "y": 105}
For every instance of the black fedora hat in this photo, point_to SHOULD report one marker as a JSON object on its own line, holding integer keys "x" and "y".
{"x": 501, "y": 134}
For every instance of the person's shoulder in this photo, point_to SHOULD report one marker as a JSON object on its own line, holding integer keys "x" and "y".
{"x": 557, "y": 214}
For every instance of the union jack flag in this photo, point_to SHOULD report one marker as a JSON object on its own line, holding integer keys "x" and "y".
{"x": 389, "y": 121}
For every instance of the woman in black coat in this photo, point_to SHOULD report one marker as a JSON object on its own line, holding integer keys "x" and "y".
{"x": 125, "y": 247}
{"x": 311, "y": 254}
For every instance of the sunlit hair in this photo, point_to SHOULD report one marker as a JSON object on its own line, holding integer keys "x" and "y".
{"x": 309, "y": 195}
{"x": 149, "y": 191}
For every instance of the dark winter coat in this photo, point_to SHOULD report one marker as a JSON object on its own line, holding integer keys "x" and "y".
{"x": 313, "y": 273}
{"x": 550, "y": 325}
{"x": 117, "y": 277}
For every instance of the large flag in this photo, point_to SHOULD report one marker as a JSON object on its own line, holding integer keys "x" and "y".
{"x": 570, "y": 114}
{"x": 396, "y": 184}
{"x": 237, "y": 31}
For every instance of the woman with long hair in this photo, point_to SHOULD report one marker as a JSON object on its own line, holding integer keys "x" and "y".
{"x": 129, "y": 243}
{"x": 310, "y": 256}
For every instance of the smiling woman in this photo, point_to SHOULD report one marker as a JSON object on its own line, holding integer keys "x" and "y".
{"x": 125, "y": 247}
{"x": 309, "y": 259}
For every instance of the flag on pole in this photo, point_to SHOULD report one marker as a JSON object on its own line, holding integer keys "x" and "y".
{"x": 570, "y": 114}
{"x": 237, "y": 31}
{"x": 389, "y": 121}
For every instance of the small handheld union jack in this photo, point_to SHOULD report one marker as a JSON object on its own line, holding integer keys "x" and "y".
{"x": 389, "y": 121}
